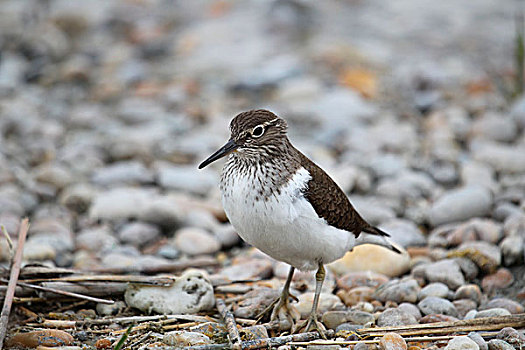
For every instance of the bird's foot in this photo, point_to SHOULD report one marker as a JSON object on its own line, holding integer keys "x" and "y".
{"x": 283, "y": 311}
{"x": 311, "y": 324}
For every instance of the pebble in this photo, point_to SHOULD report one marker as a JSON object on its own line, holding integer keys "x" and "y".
{"x": 492, "y": 312}
{"x": 501, "y": 279}
{"x": 460, "y": 204}
{"x": 226, "y": 235}
{"x": 435, "y": 305}
{"x": 185, "y": 338}
{"x": 327, "y": 301}
{"x": 374, "y": 258}
{"x": 514, "y": 225}
{"x": 122, "y": 173}
{"x": 462, "y": 343}
{"x": 47, "y": 337}
{"x": 478, "y": 339}
{"x": 468, "y": 267}
{"x": 410, "y": 309}
{"x": 395, "y": 317}
{"x": 495, "y": 127}
{"x": 512, "y": 336}
{"x": 475, "y": 229}
{"x": 255, "y": 301}
{"x": 190, "y": 293}
{"x": 138, "y": 233}
{"x": 512, "y": 249}
{"x": 103, "y": 343}
{"x": 463, "y": 306}
{"x": 355, "y": 279}
{"x": 505, "y": 158}
{"x": 142, "y": 204}
{"x": 96, "y": 239}
{"x": 110, "y": 310}
{"x": 477, "y": 173}
{"x": 498, "y": 344}
{"x": 333, "y": 319}
{"x": 248, "y": 270}
{"x": 323, "y": 347}
{"x": 445, "y": 271}
{"x": 436, "y": 289}
{"x": 404, "y": 290}
{"x": 512, "y": 306}
{"x": 356, "y": 295}
{"x": 404, "y": 233}
{"x": 195, "y": 241}
{"x": 392, "y": 341}
{"x": 469, "y": 291}
{"x": 186, "y": 179}
{"x": 487, "y": 256}
{"x": 78, "y": 197}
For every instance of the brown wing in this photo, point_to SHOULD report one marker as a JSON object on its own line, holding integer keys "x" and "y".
{"x": 337, "y": 211}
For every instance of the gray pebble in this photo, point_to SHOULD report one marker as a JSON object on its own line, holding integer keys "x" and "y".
{"x": 110, "y": 310}
{"x": 436, "y": 289}
{"x": 463, "y": 306}
{"x": 445, "y": 271}
{"x": 460, "y": 204}
{"x": 461, "y": 343}
{"x": 404, "y": 232}
{"x": 512, "y": 336}
{"x": 195, "y": 241}
{"x": 512, "y": 248}
{"x": 487, "y": 256}
{"x": 498, "y": 344}
{"x": 138, "y": 233}
{"x": 395, "y": 317}
{"x": 478, "y": 339}
{"x": 497, "y": 311}
{"x": 435, "y": 305}
{"x": 123, "y": 173}
{"x": 411, "y": 309}
{"x": 469, "y": 291}
{"x": 399, "y": 291}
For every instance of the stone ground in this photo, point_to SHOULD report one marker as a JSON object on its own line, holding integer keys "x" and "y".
{"x": 106, "y": 108}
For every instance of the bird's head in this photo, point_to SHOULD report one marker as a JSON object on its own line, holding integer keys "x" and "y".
{"x": 253, "y": 134}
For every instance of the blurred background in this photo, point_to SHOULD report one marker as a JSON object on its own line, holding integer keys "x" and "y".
{"x": 106, "y": 108}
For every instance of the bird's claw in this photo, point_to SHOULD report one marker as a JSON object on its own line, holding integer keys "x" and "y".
{"x": 281, "y": 310}
{"x": 311, "y": 324}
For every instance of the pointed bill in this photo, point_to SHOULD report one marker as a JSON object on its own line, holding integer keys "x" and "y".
{"x": 228, "y": 148}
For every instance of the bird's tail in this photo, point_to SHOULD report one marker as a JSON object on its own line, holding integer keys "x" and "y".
{"x": 373, "y": 235}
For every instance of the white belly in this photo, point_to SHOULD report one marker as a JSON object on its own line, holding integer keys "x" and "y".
{"x": 285, "y": 226}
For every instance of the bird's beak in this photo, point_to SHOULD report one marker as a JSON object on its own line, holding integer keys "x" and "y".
{"x": 228, "y": 148}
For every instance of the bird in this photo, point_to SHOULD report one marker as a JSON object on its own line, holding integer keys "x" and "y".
{"x": 281, "y": 202}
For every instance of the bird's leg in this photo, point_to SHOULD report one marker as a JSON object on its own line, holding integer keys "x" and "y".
{"x": 280, "y": 308}
{"x": 312, "y": 323}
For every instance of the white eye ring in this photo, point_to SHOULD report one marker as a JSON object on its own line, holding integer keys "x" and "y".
{"x": 258, "y": 131}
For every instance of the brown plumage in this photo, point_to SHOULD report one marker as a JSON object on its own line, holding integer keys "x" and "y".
{"x": 338, "y": 211}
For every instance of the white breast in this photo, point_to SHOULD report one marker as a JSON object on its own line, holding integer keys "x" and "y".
{"x": 284, "y": 225}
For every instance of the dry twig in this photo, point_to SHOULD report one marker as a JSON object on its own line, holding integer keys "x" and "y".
{"x": 266, "y": 343}
{"x": 62, "y": 292}
{"x": 231, "y": 326}
{"x": 477, "y": 324}
{"x": 13, "y": 279}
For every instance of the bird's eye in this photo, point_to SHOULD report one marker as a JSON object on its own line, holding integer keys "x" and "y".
{"x": 258, "y": 131}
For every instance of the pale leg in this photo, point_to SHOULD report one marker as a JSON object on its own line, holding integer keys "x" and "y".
{"x": 312, "y": 323}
